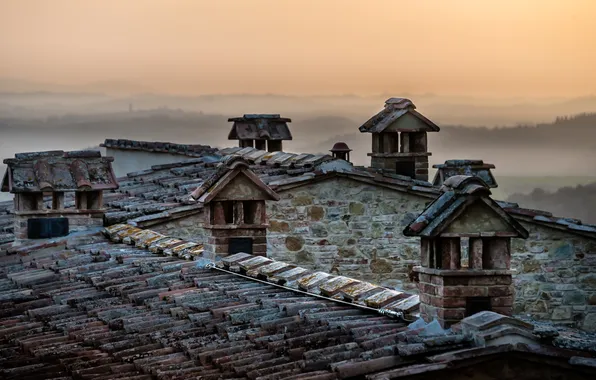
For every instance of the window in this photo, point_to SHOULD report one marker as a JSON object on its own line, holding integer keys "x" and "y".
{"x": 250, "y": 209}
{"x": 228, "y": 207}
{"x": 476, "y": 305}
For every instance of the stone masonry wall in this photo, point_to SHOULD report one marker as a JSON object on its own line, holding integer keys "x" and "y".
{"x": 555, "y": 277}
{"x": 345, "y": 227}
{"x": 188, "y": 228}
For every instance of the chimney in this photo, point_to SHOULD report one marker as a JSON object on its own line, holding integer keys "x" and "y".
{"x": 262, "y": 131}
{"x": 341, "y": 151}
{"x": 235, "y": 209}
{"x": 31, "y": 176}
{"x": 476, "y": 168}
{"x": 453, "y": 287}
{"x": 399, "y": 141}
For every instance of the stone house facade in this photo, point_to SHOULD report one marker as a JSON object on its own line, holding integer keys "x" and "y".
{"x": 341, "y": 219}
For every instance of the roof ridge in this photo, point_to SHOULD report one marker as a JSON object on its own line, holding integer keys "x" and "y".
{"x": 338, "y": 288}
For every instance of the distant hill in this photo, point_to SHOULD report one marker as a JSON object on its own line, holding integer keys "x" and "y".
{"x": 577, "y": 202}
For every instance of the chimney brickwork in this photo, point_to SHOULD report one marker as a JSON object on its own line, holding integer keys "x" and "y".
{"x": 399, "y": 139}
{"x": 36, "y": 177}
{"x": 235, "y": 216}
{"x": 452, "y": 288}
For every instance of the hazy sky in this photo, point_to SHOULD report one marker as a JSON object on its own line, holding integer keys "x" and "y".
{"x": 504, "y": 47}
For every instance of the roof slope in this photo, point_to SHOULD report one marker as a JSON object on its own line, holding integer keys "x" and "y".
{"x": 260, "y": 127}
{"x": 59, "y": 171}
{"x": 460, "y": 192}
{"x": 394, "y": 109}
{"x": 94, "y": 309}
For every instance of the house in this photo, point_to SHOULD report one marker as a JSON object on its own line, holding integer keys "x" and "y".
{"x": 330, "y": 216}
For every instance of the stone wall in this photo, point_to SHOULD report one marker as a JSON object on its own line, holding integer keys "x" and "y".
{"x": 188, "y": 228}
{"x": 555, "y": 277}
{"x": 346, "y": 227}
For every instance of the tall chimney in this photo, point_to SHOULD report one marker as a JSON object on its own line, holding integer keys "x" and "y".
{"x": 451, "y": 288}
{"x": 262, "y": 131}
{"x": 31, "y": 176}
{"x": 399, "y": 142}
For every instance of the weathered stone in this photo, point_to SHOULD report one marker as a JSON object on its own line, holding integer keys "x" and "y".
{"x": 564, "y": 251}
{"x": 294, "y": 243}
{"x": 530, "y": 266}
{"x": 560, "y": 313}
{"x": 592, "y": 299}
{"x": 316, "y": 213}
{"x": 302, "y": 199}
{"x": 338, "y": 227}
{"x": 589, "y": 323}
{"x": 318, "y": 230}
{"x": 381, "y": 266}
{"x": 574, "y": 298}
{"x": 279, "y": 226}
{"x": 303, "y": 257}
{"x": 588, "y": 281}
{"x": 357, "y": 208}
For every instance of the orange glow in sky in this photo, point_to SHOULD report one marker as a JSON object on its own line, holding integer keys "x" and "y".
{"x": 505, "y": 47}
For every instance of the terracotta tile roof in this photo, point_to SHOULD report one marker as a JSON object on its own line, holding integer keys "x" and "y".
{"x": 476, "y": 168}
{"x": 260, "y": 126}
{"x": 394, "y": 109}
{"x": 92, "y": 308}
{"x": 58, "y": 171}
{"x": 192, "y": 150}
{"x": 163, "y": 192}
{"x": 457, "y": 192}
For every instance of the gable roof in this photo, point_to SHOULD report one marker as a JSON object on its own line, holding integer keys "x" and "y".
{"x": 58, "y": 171}
{"x": 134, "y": 308}
{"x": 260, "y": 127}
{"x": 459, "y": 193}
{"x": 475, "y": 168}
{"x": 228, "y": 169}
{"x": 394, "y": 109}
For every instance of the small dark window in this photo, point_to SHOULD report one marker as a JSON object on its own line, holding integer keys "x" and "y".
{"x": 237, "y": 245}
{"x": 381, "y": 143}
{"x": 46, "y": 228}
{"x": 228, "y": 207}
{"x": 407, "y": 168}
{"x": 476, "y": 305}
{"x": 250, "y": 209}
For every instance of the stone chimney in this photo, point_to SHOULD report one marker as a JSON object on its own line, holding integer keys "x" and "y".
{"x": 31, "y": 176}
{"x": 476, "y": 168}
{"x": 263, "y": 131}
{"x": 235, "y": 209}
{"x": 399, "y": 141}
{"x": 341, "y": 151}
{"x": 451, "y": 288}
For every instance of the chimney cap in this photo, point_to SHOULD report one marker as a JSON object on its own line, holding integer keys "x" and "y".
{"x": 340, "y": 147}
{"x": 400, "y": 103}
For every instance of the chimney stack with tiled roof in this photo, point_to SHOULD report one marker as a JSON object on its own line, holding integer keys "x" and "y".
{"x": 399, "y": 142}
{"x": 450, "y": 289}
{"x": 235, "y": 209}
{"x": 341, "y": 150}
{"x": 476, "y": 168}
{"x": 30, "y": 176}
{"x": 261, "y": 131}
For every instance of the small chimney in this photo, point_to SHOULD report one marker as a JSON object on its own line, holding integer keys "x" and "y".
{"x": 31, "y": 176}
{"x": 451, "y": 288}
{"x": 261, "y": 131}
{"x": 476, "y": 168}
{"x": 341, "y": 151}
{"x": 399, "y": 142}
{"x": 235, "y": 209}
